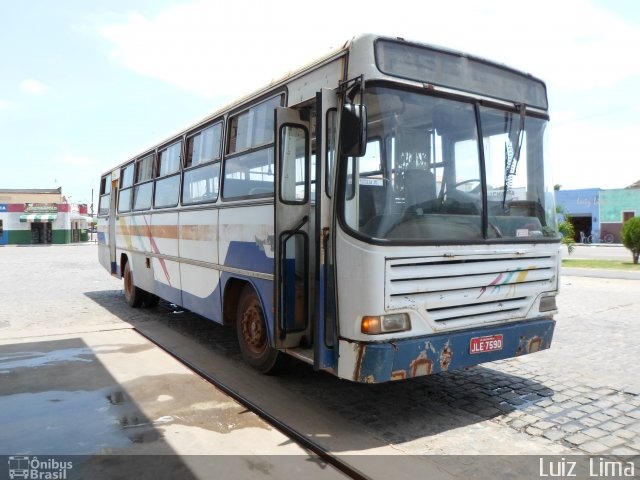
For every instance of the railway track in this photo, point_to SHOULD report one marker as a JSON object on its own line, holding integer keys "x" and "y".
{"x": 301, "y": 439}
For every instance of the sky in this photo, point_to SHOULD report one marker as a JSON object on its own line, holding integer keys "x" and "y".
{"x": 85, "y": 86}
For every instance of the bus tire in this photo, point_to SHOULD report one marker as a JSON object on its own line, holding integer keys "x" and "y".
{"x": 133, "y": 295}
{"x": 253, "y": 337}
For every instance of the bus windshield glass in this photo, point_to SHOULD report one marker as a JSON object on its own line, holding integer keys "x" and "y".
{"x": 422, "y": 181}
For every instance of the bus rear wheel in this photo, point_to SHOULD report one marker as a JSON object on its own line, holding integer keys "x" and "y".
{"x": 133, "y": 295}
{"x": 253, "y": 337}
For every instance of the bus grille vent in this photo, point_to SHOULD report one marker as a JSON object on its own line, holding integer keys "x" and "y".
{"x": 471, "y": 287}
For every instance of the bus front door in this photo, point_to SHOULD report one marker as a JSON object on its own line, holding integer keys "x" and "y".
{"x": 324, "y": 318}
{"x": 294, "y": 253}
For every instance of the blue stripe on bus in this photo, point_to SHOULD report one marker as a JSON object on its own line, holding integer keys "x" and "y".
{"x": 380, "y": 362}
{"x": 325, "y": 354}
{"x": 248, "y": 256}
{"x": 209, "y": 307}
{"x": 264, "y": 289}
{"x": 170, "y": 294}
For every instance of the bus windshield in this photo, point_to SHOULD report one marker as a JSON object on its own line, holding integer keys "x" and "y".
{"x": 422, "y": 179}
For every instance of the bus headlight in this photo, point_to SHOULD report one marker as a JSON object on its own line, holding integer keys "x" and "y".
{"x": 395, "y": 322}
{"x": 548, "y": 303}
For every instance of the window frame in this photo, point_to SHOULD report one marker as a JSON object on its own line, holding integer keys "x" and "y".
{"x": 192, "y": 168}
{"x": 627, "y": 215}
{"x": 306, "y": 182}
{"x": 140, "y": 183}
{"x": 247, "y": 109}
{"x": 157, "y": 178}
{"x": 342, "y": 175}
{"x": 191, "y": 135}
{"x": 237, "y": 154}
{"x": 105, "y": 193}
{"x": 126, "y": 188}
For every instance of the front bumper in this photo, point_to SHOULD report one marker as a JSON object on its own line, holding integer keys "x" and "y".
{"x": 400, "y": 359}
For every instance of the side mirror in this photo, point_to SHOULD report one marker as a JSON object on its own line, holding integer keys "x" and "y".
{"x": 353, "y": 130}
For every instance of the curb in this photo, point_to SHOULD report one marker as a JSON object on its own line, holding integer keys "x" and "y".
{"x": 599, "y": 273}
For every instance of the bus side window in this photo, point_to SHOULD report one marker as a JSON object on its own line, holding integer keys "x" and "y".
{"x": 126, "y": 188}
{"x": 105, "y": 195}
{"x": 251, "y": 174}
{"x": 143, "y": 183}
{"x": 201, "y": 184}
{"x": 168, "y": 180}
{"x": 201, "y": 177}
{"x": 293, "y": 177}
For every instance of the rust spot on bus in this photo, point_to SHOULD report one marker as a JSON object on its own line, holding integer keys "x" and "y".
{"x": 421, "y": 365}
{"x": 358, "y": 365}
{"x": 445, "y": 358}
{"x": 534, "y": 345}
{"x": 529, "y": 345}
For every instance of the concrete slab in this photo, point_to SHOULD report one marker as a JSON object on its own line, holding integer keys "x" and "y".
{"x": 116, "y": 393}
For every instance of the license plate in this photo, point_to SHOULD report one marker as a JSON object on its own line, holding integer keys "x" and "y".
{"x": 490, "y": 343}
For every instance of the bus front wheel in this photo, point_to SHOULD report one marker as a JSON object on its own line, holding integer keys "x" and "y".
{"x": 133, "y": 295}
{"x": 253, "y": 336}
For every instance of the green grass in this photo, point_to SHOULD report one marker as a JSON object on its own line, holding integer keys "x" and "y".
{"x": 607, "y": 264}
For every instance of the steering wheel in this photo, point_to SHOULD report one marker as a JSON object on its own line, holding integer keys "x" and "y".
{"x": 467, "y": 181}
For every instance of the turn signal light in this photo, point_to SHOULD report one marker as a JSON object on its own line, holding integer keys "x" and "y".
{"x": 375, "y": 325}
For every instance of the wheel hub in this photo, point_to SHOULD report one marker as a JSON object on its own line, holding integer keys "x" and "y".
{"x": 253, "y": 329}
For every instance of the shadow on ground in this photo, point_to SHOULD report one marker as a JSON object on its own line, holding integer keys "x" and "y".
{"x": 396, "y": 411}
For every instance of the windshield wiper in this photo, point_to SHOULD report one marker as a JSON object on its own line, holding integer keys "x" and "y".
{"x": 512, "y": 152}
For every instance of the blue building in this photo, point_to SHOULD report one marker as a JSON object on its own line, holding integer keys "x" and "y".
{"x": 598, "y": 212}
{"x": 583, "y": 207}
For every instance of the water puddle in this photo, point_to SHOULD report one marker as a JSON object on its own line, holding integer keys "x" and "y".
{"x": 15, "y": 360}
{"x": 70, "y": 422}
{"x": 57, "y": 398}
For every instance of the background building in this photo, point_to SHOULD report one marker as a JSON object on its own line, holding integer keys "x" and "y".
{"x": 41, "y": 216}
{"x": 597, "y": 212}
{"x": 583, "y": 208}
{"x": 616, "y": 207}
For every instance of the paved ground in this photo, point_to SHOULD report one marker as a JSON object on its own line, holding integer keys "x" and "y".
{"x": 580, "y": 397}
{"x": 75, "y": 379}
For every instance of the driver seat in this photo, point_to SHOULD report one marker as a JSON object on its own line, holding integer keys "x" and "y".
{"x": 419, "y": 187}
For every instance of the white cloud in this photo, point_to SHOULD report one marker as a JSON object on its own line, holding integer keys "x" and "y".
{"x": 33, "y": 87}
{"x": 594, "y": 155}
{"x": 4, "y": 104}
{"x": 229, "y": 49}
{"x": 213, "y": 48}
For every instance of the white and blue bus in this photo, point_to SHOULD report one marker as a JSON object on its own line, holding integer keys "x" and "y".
{"x": 382, "y": 213}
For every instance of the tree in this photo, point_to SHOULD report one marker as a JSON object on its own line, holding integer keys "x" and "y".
{"x": 630, "y": 234}
{"x": 565, "y": 227}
